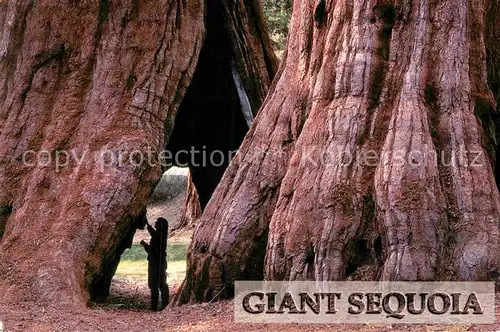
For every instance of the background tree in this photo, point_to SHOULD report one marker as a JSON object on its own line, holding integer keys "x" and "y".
{"x": 278, "y": 14}
{"x": 304, "y": 198}
{"x": 192, "y": 210}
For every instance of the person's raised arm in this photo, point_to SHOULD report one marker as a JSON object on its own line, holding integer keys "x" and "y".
{"x": 145, "y": 246}
{"x": 151, "y": 230}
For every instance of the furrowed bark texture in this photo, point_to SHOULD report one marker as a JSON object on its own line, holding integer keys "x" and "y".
{"x": 192, "y": 210}
{"x": 83, "y": 77}
{"x": 245, "y": 23}
{"x": 96, "y": 85}
{"x": 372, "y": 158}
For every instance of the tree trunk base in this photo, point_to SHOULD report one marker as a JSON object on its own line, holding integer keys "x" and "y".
{"x": 372, "y": 158}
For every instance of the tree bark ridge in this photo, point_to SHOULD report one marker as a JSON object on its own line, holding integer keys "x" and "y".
{"x": 400, "y": 79}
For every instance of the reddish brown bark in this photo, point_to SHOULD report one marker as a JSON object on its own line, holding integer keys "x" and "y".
{"x": 397, "y": 79}
{"x": 84, "y": 77}
{"x": 192, "y": 209}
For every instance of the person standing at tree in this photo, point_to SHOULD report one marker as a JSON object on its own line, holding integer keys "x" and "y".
{"x": 157, "y": 263}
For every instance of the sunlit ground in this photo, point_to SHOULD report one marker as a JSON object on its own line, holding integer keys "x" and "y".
{"x": 134, "y": 264}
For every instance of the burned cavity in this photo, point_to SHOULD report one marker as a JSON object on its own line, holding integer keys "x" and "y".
{"x": 215, "y": 114}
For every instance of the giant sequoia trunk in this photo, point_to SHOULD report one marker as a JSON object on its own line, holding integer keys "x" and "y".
{"x": 372, "y": 158}
{"x": 87, "y": 78}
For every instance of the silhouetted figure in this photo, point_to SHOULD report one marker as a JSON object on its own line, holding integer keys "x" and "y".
{"x": 157, "y": 263}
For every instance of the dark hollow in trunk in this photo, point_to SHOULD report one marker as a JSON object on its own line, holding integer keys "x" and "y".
{"x": 101, "y": 282}
{"x": 210, "y": 119}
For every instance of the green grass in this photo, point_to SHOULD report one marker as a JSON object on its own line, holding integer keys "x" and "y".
{"x": 134, "y": 263}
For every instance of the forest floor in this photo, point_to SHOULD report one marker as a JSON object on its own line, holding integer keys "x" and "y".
{"x": 127, "y": 307}
{"x": 216, "y": 317}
